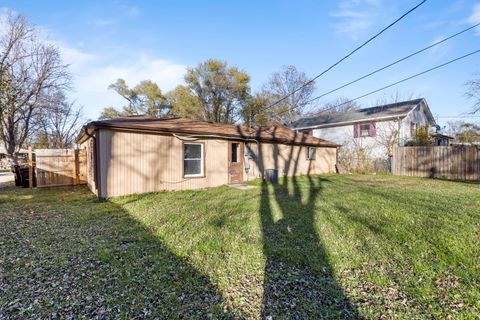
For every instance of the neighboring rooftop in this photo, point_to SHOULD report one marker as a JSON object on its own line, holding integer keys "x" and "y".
{"x": 184, "y": 126}
{"x": 384, "y": 111}
{"x": 4, "y": 151}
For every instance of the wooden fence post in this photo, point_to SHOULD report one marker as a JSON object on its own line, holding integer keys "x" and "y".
{"x": 30, "y": 168}
{"x": 75, "y": 171}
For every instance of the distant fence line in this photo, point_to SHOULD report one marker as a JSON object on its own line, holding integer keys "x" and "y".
{"x": 447, "y": 162}
{"x": 60, "y": 167}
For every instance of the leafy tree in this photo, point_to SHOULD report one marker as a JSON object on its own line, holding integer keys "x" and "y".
{"x": 283, "y": 84}
{"x": 256, "y": 114}
{"x": 110, "y": 113}
{"x": 30, "y": 68}
{"x": 145, "y": 98}
{"x": 184, "y": 103}
{"x": 221, "y": 90}
{"x": 464, "y": 132}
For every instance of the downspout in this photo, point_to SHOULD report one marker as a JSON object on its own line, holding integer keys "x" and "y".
{"x": 96, "y": 169}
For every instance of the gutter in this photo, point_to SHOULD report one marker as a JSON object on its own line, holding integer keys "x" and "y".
{"x": 344, "y": 123}
{"x": 96, "y": 150}
{"x": 193, "y": 134}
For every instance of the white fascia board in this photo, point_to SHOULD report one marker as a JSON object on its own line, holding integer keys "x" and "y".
{"x": 346, "y": 123}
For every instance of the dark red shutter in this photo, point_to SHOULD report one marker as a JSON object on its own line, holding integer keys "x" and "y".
{"x": 356, "y": 130}
{"x": 373, "y": 129}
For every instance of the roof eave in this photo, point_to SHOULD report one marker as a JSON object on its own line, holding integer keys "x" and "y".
{"x": 346, "y": 123}
{"x": 102, "y": 125}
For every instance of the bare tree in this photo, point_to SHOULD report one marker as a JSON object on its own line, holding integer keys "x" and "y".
{"x": 388, "y": 135}
{"x": 59, "y": 121}
{"x": 29, "y": 68}
{"x": 473, "y": 93}
{"x": 355, "y": 156}
{"x": 283, "y": 84}
{"x": 337, "y": 106}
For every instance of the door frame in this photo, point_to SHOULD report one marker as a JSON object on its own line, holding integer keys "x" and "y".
{"x": 240, "y": 158}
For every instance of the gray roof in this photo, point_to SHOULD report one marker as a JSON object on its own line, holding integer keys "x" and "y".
{"x": 358, "y": 115}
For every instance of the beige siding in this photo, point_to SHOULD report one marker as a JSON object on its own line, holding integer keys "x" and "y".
{"x": 289, "y": 160}
{"x": 138, "y": 162}
{"x": 132, "y": 162}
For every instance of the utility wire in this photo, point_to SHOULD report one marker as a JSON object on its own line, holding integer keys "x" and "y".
{"x": 393, "y": 63}
{"x": 400, "y": 81}
{"x": 348, "y": 55}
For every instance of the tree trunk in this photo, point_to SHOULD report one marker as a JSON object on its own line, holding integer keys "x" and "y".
{"x": 12, "y": 158}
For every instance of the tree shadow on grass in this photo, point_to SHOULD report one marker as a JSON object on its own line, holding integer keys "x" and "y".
{"x": 68, "y": 255}
{"x": 299, "y": 282}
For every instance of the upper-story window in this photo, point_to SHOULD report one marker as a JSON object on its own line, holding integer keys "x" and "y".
{"x": 307, "y": 131}
{"x": 413, "y": 129}
{"x": 364, "y": 130}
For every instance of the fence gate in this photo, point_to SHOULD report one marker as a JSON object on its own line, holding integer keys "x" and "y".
{"x": 60, "y": 167}
{"x": 447, "y": 162}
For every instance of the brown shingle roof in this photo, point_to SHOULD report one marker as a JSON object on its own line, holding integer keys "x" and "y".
{"x": 184, "y": 126}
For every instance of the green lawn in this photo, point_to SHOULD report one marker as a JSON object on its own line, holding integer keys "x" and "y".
{"x": 326, "y": 246}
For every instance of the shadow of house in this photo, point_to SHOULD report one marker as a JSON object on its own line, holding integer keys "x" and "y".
{"x": 93, "y": 261}
{"x": 299, "y": 281}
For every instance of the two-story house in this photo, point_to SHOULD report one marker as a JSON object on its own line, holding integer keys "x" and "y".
{"x": 375, "y": 129}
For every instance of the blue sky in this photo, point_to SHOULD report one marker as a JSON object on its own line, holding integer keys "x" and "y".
{"x": 157, "y": 40}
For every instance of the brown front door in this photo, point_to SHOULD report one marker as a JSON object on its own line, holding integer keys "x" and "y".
{"x": 235, "y": 162}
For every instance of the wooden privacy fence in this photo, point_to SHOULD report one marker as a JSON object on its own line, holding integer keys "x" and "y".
{"x": 60, "y": 167}
{"x": 447, "y": 162}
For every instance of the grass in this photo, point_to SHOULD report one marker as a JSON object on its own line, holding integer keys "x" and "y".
{"x": 326, "y": 246}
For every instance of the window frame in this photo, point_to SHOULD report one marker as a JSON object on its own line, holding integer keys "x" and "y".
{"x": 360, "y": 130}
{"x": 413, "y": 129}
{"x": 202, "y": 160}
{"x": 314, "y": 153}
{"x": 237, "y": 152}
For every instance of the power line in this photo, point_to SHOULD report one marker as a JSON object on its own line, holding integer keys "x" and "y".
{"x": 400, "y": 81}
{"x": 348, "y": 55}
{"x": 393, "y": 63}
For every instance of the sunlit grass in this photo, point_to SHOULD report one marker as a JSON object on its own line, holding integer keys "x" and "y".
{"x": 389, "y": 246}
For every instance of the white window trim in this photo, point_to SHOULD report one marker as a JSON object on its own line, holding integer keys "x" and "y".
{"x": 367, "y": 131}
{"x": 201, "y": 174}
{"x": 314, "y": 153}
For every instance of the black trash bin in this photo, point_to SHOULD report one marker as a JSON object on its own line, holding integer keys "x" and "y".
{"x": 22, "y": 176}
{"x": 16, "y": 174}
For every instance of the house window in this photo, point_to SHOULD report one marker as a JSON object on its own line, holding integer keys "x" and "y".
{"x": 413, "y": 129}
{"x": 235, "y": 148}
{"x": 307, "y": 131}
{"x": 365, "y": 130}
{"x": 311, "y": 153}
{"x": 193, "y": 160}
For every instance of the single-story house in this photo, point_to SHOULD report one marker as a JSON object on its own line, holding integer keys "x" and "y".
{"x": 143, "y": 154}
